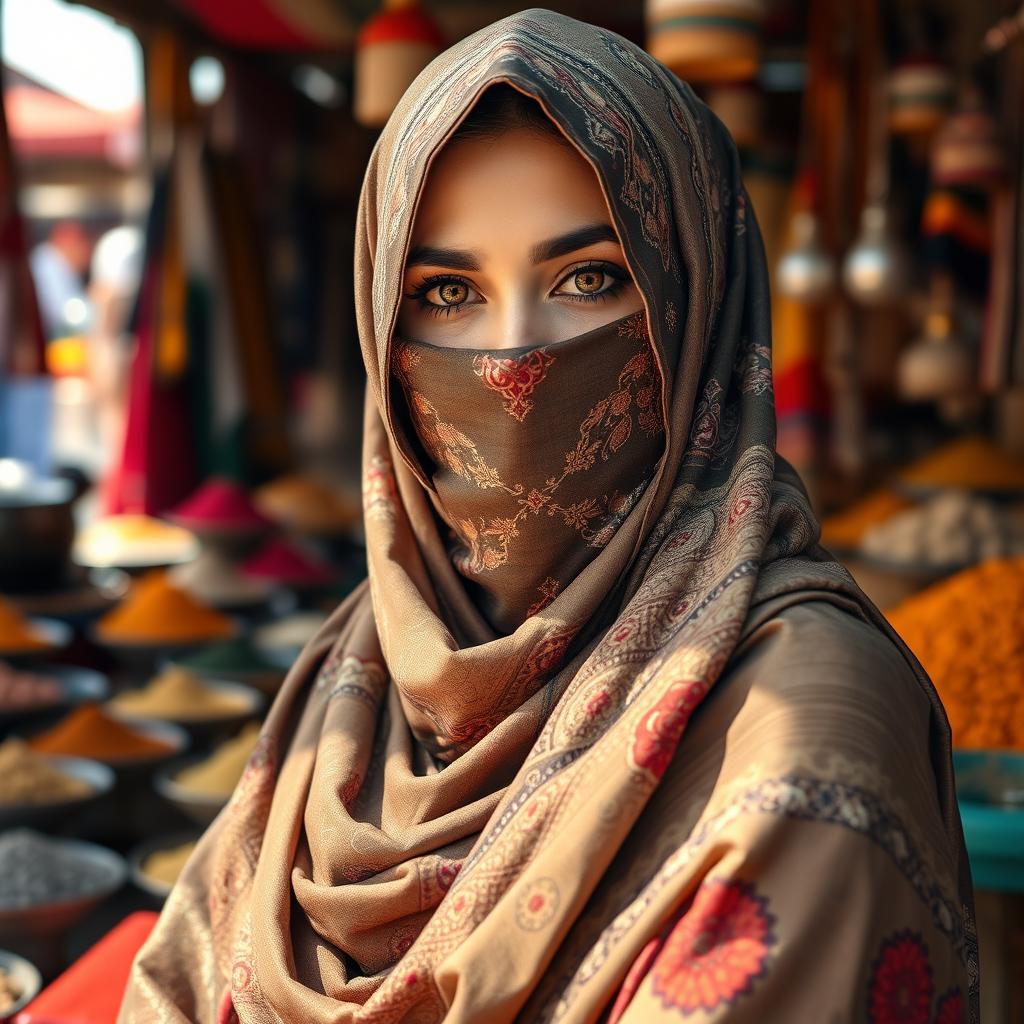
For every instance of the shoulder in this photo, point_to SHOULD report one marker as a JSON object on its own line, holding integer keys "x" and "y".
{"x": 815, "y": 679}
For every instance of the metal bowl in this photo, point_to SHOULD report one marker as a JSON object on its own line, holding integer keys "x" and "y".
{"x": 98, "y": 777}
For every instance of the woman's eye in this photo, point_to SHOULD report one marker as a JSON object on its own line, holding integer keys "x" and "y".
{"x": 452, "y": 293}
{"x": 587, "y": 281}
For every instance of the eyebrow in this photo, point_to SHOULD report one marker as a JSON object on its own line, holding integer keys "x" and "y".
{"x": 463, "y": 259}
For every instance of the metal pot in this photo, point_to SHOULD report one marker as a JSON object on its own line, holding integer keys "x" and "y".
{"x": 36, "y": 529}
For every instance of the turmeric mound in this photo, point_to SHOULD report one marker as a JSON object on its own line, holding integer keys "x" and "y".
{"x": 967, "y": 633}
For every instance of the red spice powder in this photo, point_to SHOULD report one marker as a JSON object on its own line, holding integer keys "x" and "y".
{"x": 282, "y": 561}
{"x": 220, "y": 502}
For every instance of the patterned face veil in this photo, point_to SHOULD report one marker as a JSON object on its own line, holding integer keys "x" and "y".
{"x": 537, "y": 455}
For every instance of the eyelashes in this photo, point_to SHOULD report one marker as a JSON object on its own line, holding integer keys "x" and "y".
{"x": 619, "y": 279}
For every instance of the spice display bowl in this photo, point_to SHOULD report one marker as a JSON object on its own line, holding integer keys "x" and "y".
{"x": 78, "y": 684}
{"x": 55, "y": 634}
{"x": 888, "y": 583}
{"x": 990, "y": 791}
{"x": 25, "y": 978}
{"x": 75, "y": 604}
{"x": 157, "y": 891}
{"x": 250, "y": 705}
{"x": 202, "y": 808}
{"x": 98, "y": 777}
{"x": 142, "y": 655}
{"x": 54, "y": 917}
{"x": 176, "y": 739}
{"x": 265, "y": 681}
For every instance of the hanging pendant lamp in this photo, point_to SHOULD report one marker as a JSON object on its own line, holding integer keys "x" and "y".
{"x": 939, "y": 365}
{"x": 706, "y": 40}
{"x": 920, "y": 93}
{"x": 968, "y": 149}
{"x": 392, "y": 48}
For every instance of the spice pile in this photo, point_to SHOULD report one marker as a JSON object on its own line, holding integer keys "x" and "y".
{"x": 164, "y": 866}
{"x": 307, "y": 505}
{"x": 89, "y": 732}
{"x": 233, "y": 659}
{"x": 967, "y": 633}
{"x": 293, "y": 630}
{"x": 17, "y": 634}
{"x": 971, "y": 463}
{"x": 35, "y": 870}
{"x": 28, "y": 778}
{"x": 846, "y": 529}
{"x": 954, "y": 528}
{"x": 25, "y": 691}
{"x": 219, "y": 773}
{"x": 281, "y": 561}
{"x": 219, "y": 503}
{"x": 156, "y": 611}
{"x": 214, "y": 579}
{"x": 133, "y": 540}
{"x": 179, "y": 695}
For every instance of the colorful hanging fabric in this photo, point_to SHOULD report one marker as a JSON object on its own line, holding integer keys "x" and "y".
{"x": 22, "y": 346}
{"x": 957, "y": 231}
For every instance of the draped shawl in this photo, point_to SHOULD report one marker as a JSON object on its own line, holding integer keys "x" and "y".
{"x": 586, "y": 850}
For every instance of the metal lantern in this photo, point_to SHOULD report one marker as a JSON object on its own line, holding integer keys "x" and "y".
{"x": 876, "y": 268}
{"x": 706, "y": 40}
{"x": 806, "y": 272}
{"x": 392, "y": 48}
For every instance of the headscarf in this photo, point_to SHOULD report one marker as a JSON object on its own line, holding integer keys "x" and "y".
{"x": 354, "y": 876}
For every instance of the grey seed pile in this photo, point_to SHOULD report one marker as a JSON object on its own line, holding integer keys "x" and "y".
{"x": 35, "y": 870}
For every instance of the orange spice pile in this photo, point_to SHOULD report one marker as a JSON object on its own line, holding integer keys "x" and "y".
{"x": 968, "y": 632}
{"x": 156, "y": 611}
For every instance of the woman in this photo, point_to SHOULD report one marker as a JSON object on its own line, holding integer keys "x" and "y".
{"x": 607, "y": 736}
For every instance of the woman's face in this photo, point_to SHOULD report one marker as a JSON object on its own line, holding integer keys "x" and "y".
{"x": 512, "y": 246}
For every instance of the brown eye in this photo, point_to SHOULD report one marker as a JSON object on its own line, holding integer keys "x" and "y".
{"x": 588, "y": 281}
{"x": 453, "y": 293}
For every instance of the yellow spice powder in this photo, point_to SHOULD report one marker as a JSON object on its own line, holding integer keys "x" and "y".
{"x": 219, "y": 773}
{"x": 165, "y": 865}
{"x": 178, "y": 694}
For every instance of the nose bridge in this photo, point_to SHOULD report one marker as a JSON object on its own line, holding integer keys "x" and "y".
{"x": 522, "y": 320}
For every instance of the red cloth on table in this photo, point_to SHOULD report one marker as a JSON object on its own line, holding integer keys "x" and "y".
{"x": 90, "y": 990}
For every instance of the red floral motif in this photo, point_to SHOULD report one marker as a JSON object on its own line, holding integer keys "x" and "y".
{"x": 598, "y": 704}
{"x": 717, "y": 950}
{"x": 514, "y": 379}
{"x": 547, "y": 655}
{"x": 707, "y": 420}
{"x": 447, "y": 872}
{"x": 379, "y": 495}
{"x": 900, "y": 990}
{"x": 659, "y": 731}
{"x": 548, "y": 592}
{"x": 951, "y": 1008}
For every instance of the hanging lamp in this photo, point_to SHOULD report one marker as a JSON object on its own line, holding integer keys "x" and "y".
{"x": 706, "y": 40}
{"x": 392, "y": 48}
{"x": 968, "y": 148}
{"x": 920, "y": 94}
{"x": 939, "y": 365}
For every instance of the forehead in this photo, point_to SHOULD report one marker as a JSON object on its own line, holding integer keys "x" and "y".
{"x": 516, "y": 183}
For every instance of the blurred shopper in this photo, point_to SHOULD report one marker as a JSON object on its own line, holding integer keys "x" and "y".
{"x": 59, "y": 267}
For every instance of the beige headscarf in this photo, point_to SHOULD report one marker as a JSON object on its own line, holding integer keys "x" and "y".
{"x": 353, "y": 877}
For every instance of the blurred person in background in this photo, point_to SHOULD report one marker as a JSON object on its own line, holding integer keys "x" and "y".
{"x": 59, "y": 268}
{"x": 113, "y": 283}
